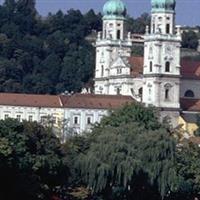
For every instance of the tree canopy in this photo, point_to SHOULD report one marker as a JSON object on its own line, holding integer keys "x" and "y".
{"x": 31, "y": 161}
{"x": 132, "y": 152}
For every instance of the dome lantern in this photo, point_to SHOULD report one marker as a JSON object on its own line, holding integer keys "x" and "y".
{"x": 114, "y": 9}
{"x": 163, "y": 5}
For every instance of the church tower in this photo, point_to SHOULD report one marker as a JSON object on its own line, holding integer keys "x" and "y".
{"x": 161, "y": 86}
{"x": 113, "y": 42}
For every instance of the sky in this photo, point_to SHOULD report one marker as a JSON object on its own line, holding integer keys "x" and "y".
{"x": 188, "y": 11}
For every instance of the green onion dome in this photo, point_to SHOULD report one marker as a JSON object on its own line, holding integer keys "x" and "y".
{"x": 114, "y": 9}
{"x": 163, "y": 5}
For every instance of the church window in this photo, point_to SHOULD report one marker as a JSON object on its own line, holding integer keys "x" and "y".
{"x": 167, "y": 28}
{"x": 167, "y": 94}
{"x": 151, "y": 66}
{"x": 118, "y": 34}
{"x": 102, "y": 70}
{"x": 111, "y": 24}
{"x": 189, "y": 93}
{"x": 167, "y": 66}
{"x": 118, "y": 24}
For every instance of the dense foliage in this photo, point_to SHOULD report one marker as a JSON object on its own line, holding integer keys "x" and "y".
{"x": 31, "y": 161}
{"x": 44, "y": 55}
{"x": 190, "y": 40}
{"x": 130, "y": 153}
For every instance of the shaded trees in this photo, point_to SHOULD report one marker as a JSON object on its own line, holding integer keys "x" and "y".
{"x": 190, "y": 40}
{"x": 31, "y": 161}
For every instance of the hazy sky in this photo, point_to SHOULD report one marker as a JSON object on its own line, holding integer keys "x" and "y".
{"x": 188, "y": 11}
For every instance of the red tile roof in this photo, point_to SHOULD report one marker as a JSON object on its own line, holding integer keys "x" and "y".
{"x": 30, "y": 100}
{"x": 190, "y": 69}
{"x": 136, "y": 63}
{"x": 190, "y": 104}
{"x": 92, "y": 101}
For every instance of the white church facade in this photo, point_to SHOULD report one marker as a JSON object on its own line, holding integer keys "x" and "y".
{"x": 160, "y": 78}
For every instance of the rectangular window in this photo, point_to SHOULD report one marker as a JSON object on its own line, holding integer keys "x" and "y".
{"x": 167, "y": 28}
{"x": 89, "y": 120}
{"x": 19, "y": 118}
{"x": 118, "y": 34}
{"x": 118, "y": 91}
{"x": 54, "y": 120}
{"x": 167, "y": 66}
{"x": 30, "y": 118}
{"x": 150, "y": 66}
{"x": 153, "y": 28}
{"x": 76, "y": 121}
{"x": 102, "y": 70}
{"x": 6, "y": 116}
{"x": 43, "y": 119}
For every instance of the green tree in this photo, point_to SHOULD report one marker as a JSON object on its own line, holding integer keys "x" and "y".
{"x": 190, "y": 40}
{"x": 31, "y": 161}
{"x": 188, "y": 160}
{"x": 130, "y": 154}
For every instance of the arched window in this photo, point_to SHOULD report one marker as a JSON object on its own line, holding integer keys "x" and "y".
{"x": 167, "y": 94}
{"x": 167, "y": 88}
{"x": 150, "y": 66}
{"x": 140, "y": 91}
{"x": 167, "y": 66}
{"x": 189, "y": 93}
{"x": 102, "y": 70}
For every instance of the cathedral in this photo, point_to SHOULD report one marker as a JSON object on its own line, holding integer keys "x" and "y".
{"x": 161, "y": 78}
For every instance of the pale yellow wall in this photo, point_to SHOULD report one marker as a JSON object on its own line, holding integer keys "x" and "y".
{"x": 190, "y": 128}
